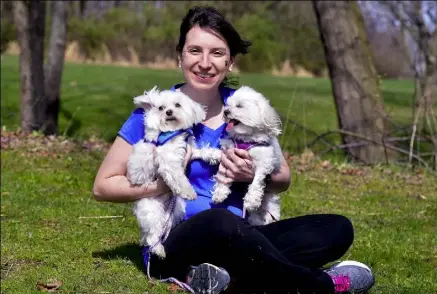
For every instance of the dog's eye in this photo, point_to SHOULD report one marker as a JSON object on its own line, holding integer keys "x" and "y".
{"x": 161, "y": 108}
{"x": 177, "y": 105}
{"x": 239, "y": 106}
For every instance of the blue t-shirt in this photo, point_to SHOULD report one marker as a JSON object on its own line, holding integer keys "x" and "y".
{"x": 199, "y": 173}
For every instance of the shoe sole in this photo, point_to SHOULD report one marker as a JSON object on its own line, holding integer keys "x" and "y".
{"x": 203, "y": 280}
{"x": 352, "y": 263}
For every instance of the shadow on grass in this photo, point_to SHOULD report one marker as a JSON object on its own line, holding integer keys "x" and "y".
{"x": 129, "y": 251}
{"x": 73, "y": 123}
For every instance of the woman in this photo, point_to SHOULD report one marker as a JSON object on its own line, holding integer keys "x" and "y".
{"x": 215, "y": 244}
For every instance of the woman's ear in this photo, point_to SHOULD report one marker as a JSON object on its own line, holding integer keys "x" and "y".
{"x": 232, "y": 60}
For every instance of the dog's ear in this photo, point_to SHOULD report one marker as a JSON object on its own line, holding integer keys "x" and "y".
{"x": 270, "y": 118}
{"x": 199, "y": 111}
{"x": 144, "y": 101}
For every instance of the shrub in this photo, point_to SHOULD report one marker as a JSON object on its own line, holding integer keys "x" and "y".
{"x": 306, "y": 48}
{"x": 8, "y": 34}
{"x": 265, "y": 52}
{"x": 91, "y": 34}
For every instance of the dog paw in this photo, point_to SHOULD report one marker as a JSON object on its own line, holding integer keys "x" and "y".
{"x": 213, "y": 161}
{"x": 219, "y": 198}
{"x": 252, "y": 202}
{"x": 159, "y": 251}
{"x": 220, "y": 194}
{"x": 188, "y": 193}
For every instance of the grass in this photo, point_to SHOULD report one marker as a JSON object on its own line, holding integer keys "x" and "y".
{"x": 44, "y": 194}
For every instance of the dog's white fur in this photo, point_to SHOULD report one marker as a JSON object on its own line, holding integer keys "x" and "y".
{"x": 148, "y": 161}
{"x": 259, "y": 123}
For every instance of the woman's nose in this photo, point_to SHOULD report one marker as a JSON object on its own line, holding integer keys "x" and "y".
{"x": 205, "y": 62}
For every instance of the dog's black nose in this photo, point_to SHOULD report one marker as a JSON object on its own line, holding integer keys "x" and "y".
{"x": 169, "y": 112}
{"x": 226, "y": 112}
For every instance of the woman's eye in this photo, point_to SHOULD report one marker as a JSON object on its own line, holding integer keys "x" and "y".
{"x": 161, "y": 108}
{"x": 193, "y": 51}
{"x": 177, "y": 105}
{"x": 219, "y": 53}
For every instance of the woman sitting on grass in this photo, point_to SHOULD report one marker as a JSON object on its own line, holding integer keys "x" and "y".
{"x": 215, "y": 245}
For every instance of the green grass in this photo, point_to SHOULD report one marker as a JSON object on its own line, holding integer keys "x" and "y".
{"x": 44, "y": 238}
{"x": 394, "y": 210}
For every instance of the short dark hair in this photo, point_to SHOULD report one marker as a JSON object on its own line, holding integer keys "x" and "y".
{"x": 210, "y": 18}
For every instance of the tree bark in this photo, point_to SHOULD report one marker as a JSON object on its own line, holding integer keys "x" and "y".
{"x": 30, "y": 21}
{"x": 82, "y": 4}
{"x": 55, "y": 64}
{"x": 353, "y": 76}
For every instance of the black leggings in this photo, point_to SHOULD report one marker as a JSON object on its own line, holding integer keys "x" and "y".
{"x": 282, "y": 257}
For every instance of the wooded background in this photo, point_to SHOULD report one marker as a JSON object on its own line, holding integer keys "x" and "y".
{"x": 354, "y": 43}
{"x": 146, "y": 31}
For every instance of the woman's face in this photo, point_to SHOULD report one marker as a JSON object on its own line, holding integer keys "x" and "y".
{"x": 205, "y": 59}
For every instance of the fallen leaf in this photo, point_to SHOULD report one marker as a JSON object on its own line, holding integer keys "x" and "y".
{"x": 325, "y": 164}
{"x": 51, "y": 286}
{"x": 174, "y": 288}
{"x": 417, "y": 196}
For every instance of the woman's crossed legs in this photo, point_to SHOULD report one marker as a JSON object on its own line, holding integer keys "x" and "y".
{"x": 283, "y": 257}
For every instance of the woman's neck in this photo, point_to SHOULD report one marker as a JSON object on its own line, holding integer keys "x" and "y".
{"x": 210, "y": 99}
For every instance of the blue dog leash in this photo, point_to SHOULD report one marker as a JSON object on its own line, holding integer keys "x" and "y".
{"x": 147, "y": 253}
{"x": 163, "y": 138}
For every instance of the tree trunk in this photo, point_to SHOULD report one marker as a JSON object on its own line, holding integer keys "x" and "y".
{"x": 82, "y": 8}
{"x": 353, "y": 76}
{"x": 30, "y": 21}
{"x": 55, "y": 64}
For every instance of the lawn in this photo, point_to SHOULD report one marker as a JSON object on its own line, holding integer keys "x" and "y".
{"x": 46, "y": 185}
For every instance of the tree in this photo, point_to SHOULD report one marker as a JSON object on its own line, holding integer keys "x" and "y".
{"x": 30, "y": 20}
{"x": 417, "y": 23}
{"x": 55, "y": 64}
{"x": 40, "y": 86}
{"x": 354, "y": 80}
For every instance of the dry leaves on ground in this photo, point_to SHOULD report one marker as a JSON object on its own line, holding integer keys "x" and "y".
{"x": 51, "y": 286}
{"x": 38, "y": 144}
{"x": 175, "y": 288}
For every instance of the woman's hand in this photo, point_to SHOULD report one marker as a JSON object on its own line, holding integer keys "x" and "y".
{"x": 235, "y": 166}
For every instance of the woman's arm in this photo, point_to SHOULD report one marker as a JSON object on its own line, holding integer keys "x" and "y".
{"x": 111, "y": 183}
{"x": 280, "y": 181}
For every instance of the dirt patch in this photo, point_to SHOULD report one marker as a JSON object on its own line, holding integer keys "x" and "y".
{"x": 288, "y": 70}
{"x": 37, "y": 144}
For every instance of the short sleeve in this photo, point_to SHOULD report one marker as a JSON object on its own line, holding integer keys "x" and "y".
{"x": 133, "y": 129}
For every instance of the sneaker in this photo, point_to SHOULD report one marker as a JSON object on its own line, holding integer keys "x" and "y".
{"x": 208, "y": 278}
{"x": 351, "y": 277}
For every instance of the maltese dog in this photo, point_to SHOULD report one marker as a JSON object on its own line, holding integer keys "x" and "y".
{"x": 253, "y": 125}
{"x": 169, "y": 117}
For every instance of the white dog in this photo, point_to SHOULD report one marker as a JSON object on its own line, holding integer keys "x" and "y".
{"x": 254, "y": 125}
{"x": 169, "y": 117}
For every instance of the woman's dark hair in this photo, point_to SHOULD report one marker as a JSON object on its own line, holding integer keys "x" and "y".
{"x": 208, "y": 17}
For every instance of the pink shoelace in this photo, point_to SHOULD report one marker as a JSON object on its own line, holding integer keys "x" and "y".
{"x": 342, "y": 283}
